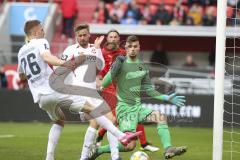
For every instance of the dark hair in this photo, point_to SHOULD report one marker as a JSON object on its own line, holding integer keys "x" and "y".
{"x": 113, "y": 30}
{"x": 81, "y": 27}
{"x": 132, "y": 38}
{"x": 29, "y": 25}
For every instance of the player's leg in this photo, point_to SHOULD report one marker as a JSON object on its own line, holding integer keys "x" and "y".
{"x": 105, "y": 122}
{"x": 143, "y": 141}
{"x": 89, "y": 138}
{"x": 164, "y": 134}
{"x": 103, "y": 131}
{"x": 53, "y": 137}
{"x": 110, "y": 97}
{"x": 127, "y": 123}
{"x": 48, "y": 104}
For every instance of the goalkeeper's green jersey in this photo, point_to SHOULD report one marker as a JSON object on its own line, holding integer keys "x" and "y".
{"x": 132, "y": 78}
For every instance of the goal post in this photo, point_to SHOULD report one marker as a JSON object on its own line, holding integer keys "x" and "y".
{"x": 219, "y": 80}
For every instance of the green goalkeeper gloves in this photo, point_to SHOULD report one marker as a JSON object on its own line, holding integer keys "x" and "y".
{"x": 174, "y": 99}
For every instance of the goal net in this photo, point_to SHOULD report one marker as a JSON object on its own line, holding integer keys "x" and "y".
{"x": 226, "y": 143}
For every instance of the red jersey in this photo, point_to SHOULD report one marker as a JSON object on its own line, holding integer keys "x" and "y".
{"x": 69, "y": 8}
{"x": 109, "y": 57}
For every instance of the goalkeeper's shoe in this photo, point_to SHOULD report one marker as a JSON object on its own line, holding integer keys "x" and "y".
{"x": 129, "y": 136}
{"x": 174, "y": 151}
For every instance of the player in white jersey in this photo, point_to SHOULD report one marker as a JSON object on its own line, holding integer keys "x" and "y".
{"x": 34, "y": 60}
{"x": 85, "y": 75}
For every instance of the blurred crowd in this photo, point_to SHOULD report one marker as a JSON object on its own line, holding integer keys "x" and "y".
{"x": 163, "y": 12}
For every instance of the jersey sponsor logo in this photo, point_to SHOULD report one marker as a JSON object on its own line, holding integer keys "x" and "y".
{"x": 91, "y": 58}
{"x": 135, "y": 74}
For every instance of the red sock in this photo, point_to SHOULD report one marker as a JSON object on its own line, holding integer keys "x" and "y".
{"x": 142, "y": 137}
{"x": 102, "y": 132}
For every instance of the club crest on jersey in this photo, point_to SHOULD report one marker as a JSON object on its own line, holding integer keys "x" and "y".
{"x": 94, "y": 51}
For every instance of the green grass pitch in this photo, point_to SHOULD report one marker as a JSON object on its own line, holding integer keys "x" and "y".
{"x": 29, "y": 142}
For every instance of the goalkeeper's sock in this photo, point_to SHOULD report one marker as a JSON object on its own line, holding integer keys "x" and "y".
{"x": 106, "y": 149}
{"x": 53, "y": 138}
{"x": 164, "y": 134}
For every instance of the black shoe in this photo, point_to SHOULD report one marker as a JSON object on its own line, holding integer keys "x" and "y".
{"x": 99, "y": 139}
{"x": 93, "y": 154}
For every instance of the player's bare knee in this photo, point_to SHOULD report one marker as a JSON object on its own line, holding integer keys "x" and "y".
{"x": 60, "y": 122}
{"x": 93, "y": 124}
{"x": 87, "y": 108}
{"x": 131, "y": 146}
{"x": 111, "y": 117}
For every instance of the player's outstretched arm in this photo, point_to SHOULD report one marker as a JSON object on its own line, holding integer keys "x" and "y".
{"x": 107, "y": 80}
{"x": 51, "y": 59}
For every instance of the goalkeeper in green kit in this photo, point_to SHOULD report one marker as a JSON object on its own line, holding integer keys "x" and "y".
{"x": 132, "y": 77}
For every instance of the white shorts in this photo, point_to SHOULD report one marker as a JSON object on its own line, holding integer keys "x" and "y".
{"x": 52, "y": 103}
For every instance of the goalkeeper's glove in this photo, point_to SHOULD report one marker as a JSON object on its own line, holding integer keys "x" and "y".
{"x": 174, "y": 99}
{"x": 116, "y": 66}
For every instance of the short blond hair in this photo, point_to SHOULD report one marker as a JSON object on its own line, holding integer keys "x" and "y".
{"x": 29, "y": 25}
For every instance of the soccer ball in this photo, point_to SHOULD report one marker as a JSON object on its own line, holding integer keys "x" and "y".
{"x": 139, "y": 155}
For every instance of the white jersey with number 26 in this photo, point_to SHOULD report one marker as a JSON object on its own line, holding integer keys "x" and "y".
{"x": 32, "y": 65}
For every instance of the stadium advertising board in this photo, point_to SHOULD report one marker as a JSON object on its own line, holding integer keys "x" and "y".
{"x": 21, "y": 12}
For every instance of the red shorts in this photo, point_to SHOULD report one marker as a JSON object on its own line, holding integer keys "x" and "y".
{"x": 109, "y": 95}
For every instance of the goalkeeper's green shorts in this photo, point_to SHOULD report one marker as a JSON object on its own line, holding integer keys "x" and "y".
{"x": 129, "y": 116}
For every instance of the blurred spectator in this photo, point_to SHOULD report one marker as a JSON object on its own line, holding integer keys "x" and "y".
{"x": 3, "y": 78}
{"x": 202, "y": 2}
{"x": 69, "y": 13}
{"x": 117, "y": 10}
{"x": 135, "y": 11}
{"x": 189, "y": 21}
{"x": 175, "y": 22}
{"x": 146, "y": 13}
{"x": 162, "y": 16}
{"x": 143, "y": 21}
{"x": 114, "y": 19}
{"x": 179, "y": 14}
{"x": 101, "y": 13}
{"x": 211, "y": 58}
{"x": 159, "y": 55}
{"x": 195, "y": 12}
{"x": 209, "y": 19}
{"x": 189, "y": 62}
{"x": 129, "y": 19}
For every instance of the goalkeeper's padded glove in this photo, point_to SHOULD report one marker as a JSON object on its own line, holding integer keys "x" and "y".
{"x": 174, "y": 99}
{"x": 116, "y": 66}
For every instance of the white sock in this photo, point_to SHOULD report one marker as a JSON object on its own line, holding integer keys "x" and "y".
{"x": 108, "y": 125}
{"x": 53, "y": 137}
{"x": 113, "y": 143}
{"x": 88, "y": 140}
